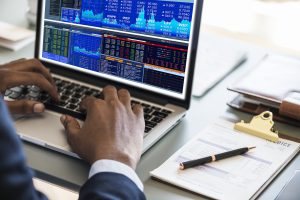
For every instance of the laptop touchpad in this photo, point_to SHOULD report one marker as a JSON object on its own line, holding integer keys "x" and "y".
{"x": 45, "y": 128}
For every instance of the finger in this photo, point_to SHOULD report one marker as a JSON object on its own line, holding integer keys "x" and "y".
{"x": 87, "y": 102}
{"x": 110, "y": 93}
{"x": 30, "y": 78}
{"x": 138, "y": 111}
{"x": 25, "y": 107}
{"x": 71, "y": 126}
{"x": 32, "y": 65}
{"x": 124, "y": 97}
{"x": 18, "y": 60}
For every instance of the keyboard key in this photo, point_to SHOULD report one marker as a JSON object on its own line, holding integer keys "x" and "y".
{"x": 150, "y": 124}
{"x": 77, "y": 95}
{"x": 74, "y": 101}
{"x": 15, "y": 95}
{"x": 98, "y": 96}
{"x": 79, "y": 90}
{"x": 56, "y": 81}
{"x": 147, "y": 117}
{"x": 156, "y": 108}
{"x": 78, "y": 109}
{"x": 34, "y": 94}
{"x": 64, "y": 82}
{"x": 95, "y": 91}
{"x": 69, "y": 88}
{"x": 147, "y": 129}
{"x": 88, "y": 93}
{"x": 62, "y": 103}
{"x": 160, "y": 114}
{"x": 64, "y": 98}
{"x": 33, "y": 88}
{"x": 17, "y": 89}
{"x": 7, "y": 92}
{"x": 44, "y": 97}
{"x": 72, "y": 106}
{"x": 147, "y": 110}
{"x": 60, "y": 85}
{"x": 74, "y": 85}
{"x": 61, "y": 90}
{"x": 156, "y": 119}
{"x": 84, "y": 87}
{"x": 166, "y": 111}
{"x": 145, "y": 105}
{"x": 67, "y": 93}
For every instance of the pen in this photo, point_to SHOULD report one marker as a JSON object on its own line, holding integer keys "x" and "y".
{"x": 213, "y": 158}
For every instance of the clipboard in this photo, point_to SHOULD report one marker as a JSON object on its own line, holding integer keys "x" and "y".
{"x": 240, "y": 177}
{"x": 262, "y": 126}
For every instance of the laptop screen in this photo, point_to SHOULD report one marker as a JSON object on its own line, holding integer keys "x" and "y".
{"x": 142, "y": 43}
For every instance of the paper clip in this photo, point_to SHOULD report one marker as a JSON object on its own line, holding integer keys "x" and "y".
{"x": 260, "y": 126}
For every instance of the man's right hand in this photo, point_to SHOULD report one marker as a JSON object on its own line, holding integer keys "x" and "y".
{"x": 112, "y": 130}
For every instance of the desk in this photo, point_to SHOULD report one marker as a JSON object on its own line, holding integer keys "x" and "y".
{"x": 203, "y": 111}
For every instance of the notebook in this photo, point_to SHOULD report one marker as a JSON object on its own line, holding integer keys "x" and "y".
{"x": 273, "y": 85}
{"x": 236, "y": 178}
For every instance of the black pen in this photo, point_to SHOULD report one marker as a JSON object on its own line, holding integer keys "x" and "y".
{"x": 213, "y": 158}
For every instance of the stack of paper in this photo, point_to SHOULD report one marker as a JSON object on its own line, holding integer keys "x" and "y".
{"x": 14, "y": 37}
{"x": 237, "y": 178}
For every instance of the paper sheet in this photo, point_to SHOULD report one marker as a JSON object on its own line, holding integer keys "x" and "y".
{"x": 54, "y": 192}
{"x": 14, "y": 33}
{"x": 14, "y": 37}
{"x": 239, "y": 177}
{"x": 15, "y": 46}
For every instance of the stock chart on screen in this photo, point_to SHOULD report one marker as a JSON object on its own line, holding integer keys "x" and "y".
{"x": 92, "y": 12}
{"x": 164, "y": 18}
{"x": 142, "y": 41}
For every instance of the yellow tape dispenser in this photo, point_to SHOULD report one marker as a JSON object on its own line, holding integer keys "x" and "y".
{"x": 260, "y": 126}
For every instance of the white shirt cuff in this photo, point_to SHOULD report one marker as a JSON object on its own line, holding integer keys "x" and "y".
{"x": 115, "y": 167}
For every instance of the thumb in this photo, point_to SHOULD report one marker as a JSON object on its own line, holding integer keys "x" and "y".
{"x": 72, "y": 127}
{"x": 25, "y": 107}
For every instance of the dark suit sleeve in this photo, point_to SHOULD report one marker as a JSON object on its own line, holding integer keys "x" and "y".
{"x": 110, "y": 186}
{"x": 15, "y": 176}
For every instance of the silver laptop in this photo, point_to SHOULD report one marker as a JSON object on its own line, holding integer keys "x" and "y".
{"x": 146, "y": 46}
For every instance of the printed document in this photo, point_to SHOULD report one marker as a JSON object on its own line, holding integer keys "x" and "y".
{"x": 239, "y": 177}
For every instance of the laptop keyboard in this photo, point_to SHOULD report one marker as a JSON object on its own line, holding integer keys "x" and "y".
{"x": 71, "y": 94}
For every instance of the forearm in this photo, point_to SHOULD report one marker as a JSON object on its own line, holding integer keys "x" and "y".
{"x": 15, "y": 176}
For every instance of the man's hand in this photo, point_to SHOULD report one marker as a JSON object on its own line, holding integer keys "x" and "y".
{"x": 112, "y": 129}
{"x": 26, "y": 72}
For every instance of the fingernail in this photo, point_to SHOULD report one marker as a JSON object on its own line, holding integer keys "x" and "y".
{"x": 38, "y": 108}
{"x": 63, "y": 118}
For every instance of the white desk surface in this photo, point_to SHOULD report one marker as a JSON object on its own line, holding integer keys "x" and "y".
{"x": 203, "y": 111}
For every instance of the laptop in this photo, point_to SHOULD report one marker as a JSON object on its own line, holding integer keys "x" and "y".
{"x": 147, "y": 46}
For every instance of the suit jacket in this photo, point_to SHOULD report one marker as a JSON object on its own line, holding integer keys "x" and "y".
{"x": 16, "y": 178}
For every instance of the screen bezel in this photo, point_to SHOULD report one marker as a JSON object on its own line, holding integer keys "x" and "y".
{"x": 137, "y": 92}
